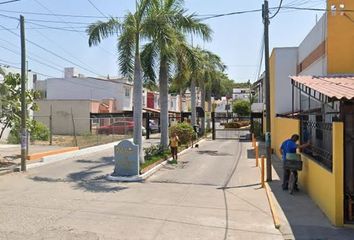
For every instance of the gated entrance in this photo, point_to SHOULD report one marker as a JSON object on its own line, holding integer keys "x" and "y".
{"x": 228, "y": 126}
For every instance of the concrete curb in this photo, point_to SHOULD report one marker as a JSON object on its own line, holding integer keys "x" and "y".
{"x": 271, "y": 201}
{"x": 149, "y": 173}
{"x": 59, "y": 157}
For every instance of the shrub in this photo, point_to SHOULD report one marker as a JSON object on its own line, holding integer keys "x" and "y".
{"x": 152, "y": 151}
{"x": 242, "y": 107}
{"x": 39, "y": 131}
{"x": 184, "y": 132}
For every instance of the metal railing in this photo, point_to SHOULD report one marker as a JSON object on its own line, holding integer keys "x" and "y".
{"x": 319, "y": 135}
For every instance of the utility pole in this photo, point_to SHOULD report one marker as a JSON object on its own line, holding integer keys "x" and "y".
{"x": 23, "y": 96}
{"x": 265, "y": 14}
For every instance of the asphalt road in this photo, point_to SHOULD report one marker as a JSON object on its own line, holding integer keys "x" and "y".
{"x": 212, "y": 193}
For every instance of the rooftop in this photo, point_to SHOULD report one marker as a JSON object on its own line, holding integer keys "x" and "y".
{"x": 334, "y": 87}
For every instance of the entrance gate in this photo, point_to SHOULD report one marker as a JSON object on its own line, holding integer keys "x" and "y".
{"x": 227, "y": 126}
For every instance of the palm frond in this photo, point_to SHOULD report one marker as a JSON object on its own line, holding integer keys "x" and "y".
{"x": 126, "y": 50}
{"x": 148, "y": 57}
{"x": 100, "y": 30}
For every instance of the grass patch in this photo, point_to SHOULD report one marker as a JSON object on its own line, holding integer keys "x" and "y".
{"x": 155, "y": 158}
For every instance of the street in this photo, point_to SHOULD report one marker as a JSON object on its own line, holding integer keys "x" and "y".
{"x": 212, "y": 193}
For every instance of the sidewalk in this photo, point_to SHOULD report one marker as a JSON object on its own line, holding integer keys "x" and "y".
{"x": 10, "y": 154}
{"x": 300, "y": 217}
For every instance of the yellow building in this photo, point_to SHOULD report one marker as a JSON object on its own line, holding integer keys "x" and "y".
{"x": 300, "y": 106}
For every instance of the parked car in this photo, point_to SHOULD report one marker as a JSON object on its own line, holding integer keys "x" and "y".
{"x": 120, "y": 127}
{"x": 154, "y": 128}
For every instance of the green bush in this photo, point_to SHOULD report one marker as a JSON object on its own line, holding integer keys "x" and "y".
{"x": 184, "y": 132}
{"x": 38, "y": 131}
{"x": 242, "y": 107}
{"x": 14, "y": 136}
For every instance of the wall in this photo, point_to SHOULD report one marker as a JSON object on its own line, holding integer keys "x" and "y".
{"x": 340, "y": 47}
{"x": 323, "y": 186}
{"x": 313, "y": 39}
{"x": 89, "y": 88}
{"x": 284, "y": 128}
{"x": 286, "y": 60}
{"x": 62, "y": 118}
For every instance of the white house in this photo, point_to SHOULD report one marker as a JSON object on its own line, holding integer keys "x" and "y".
{"x": 241, "y": 93}
{"x": 75, "y": 86}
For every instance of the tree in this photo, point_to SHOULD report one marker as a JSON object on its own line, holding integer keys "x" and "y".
{"x": 242, "y": 107}
{"x": 210, "y": 66}
{"x": 10, "y": 102}
{"x": 131, "y": 30}
{"x": 168, "y": 24}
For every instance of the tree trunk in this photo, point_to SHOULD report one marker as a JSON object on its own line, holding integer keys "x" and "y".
{"x": 209, "y": 108}
{"x": 202, "y": 103}
{"x": 138, "y": 103}
{"x": 164, "y": 102}
{"x": 3, "y": 129}
{"x": 193, "y": 103}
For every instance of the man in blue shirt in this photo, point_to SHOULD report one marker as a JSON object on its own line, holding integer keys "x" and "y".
{"x": 290, "y": 146}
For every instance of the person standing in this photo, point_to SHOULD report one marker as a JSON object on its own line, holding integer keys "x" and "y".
{"x": 290, "y": 146}
{"x": 174, "y": 140}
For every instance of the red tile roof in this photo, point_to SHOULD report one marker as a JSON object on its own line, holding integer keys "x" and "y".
{"x": 339, "y": 87}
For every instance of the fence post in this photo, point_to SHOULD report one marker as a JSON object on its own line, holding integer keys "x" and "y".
{"x": 257, "y": 154}
{"x": 213, "y": 124}
{"x": 262, "y": 171}
{"x": 51, "y": 125}
{"x": 147, "y": 123}
{"x": 74, "y": 130}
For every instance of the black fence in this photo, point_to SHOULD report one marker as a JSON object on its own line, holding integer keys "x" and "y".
{"x": 319, "y": 135}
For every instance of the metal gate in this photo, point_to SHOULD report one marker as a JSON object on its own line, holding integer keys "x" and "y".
{"x": 349, "y": 164}
{"x": 228, "y": 126}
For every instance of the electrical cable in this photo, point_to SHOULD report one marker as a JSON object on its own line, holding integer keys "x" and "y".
{"x": 53, "y": 53}
{"x": 93, "y": 5}
{"x": 278, "y": 10}
{"x": 10, "y": 1}
{"x": 40, "y": 4}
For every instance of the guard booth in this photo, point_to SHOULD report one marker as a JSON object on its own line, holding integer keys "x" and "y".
{"x": 230, "y": 126}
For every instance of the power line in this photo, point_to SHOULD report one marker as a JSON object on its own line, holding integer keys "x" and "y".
{"x": 53, "y": 53}
{"x": 50, "y": 14}
{"x": 33, "y": 59}
{"x": 10, "y": 1}
{"x": 280, "y": 4}
{"x": 39, "y": 3}
{"x": 93, "y": 5}
{"x": 62, "y": 48}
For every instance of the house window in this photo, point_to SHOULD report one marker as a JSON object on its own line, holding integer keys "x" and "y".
{"x": 171, "y": 104}
{"x": 127, "y": 92}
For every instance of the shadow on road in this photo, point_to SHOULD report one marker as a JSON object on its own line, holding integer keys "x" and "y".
{"x": 214, "y": 153}
{"x": 91, "y": 177}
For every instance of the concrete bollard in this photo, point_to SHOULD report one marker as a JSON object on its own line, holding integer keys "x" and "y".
{"x": 262, "y": 171}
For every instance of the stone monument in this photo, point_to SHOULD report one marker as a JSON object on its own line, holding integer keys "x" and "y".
{"x": 126, "y": 156}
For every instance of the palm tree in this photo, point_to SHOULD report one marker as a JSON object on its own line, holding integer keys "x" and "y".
{"x": 168, "y": 24}
{"x": 211, "y": 64}
{"x": 131, "y": 30}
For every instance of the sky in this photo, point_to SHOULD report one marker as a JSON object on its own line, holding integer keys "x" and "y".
{"x": 237, "y": 39}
